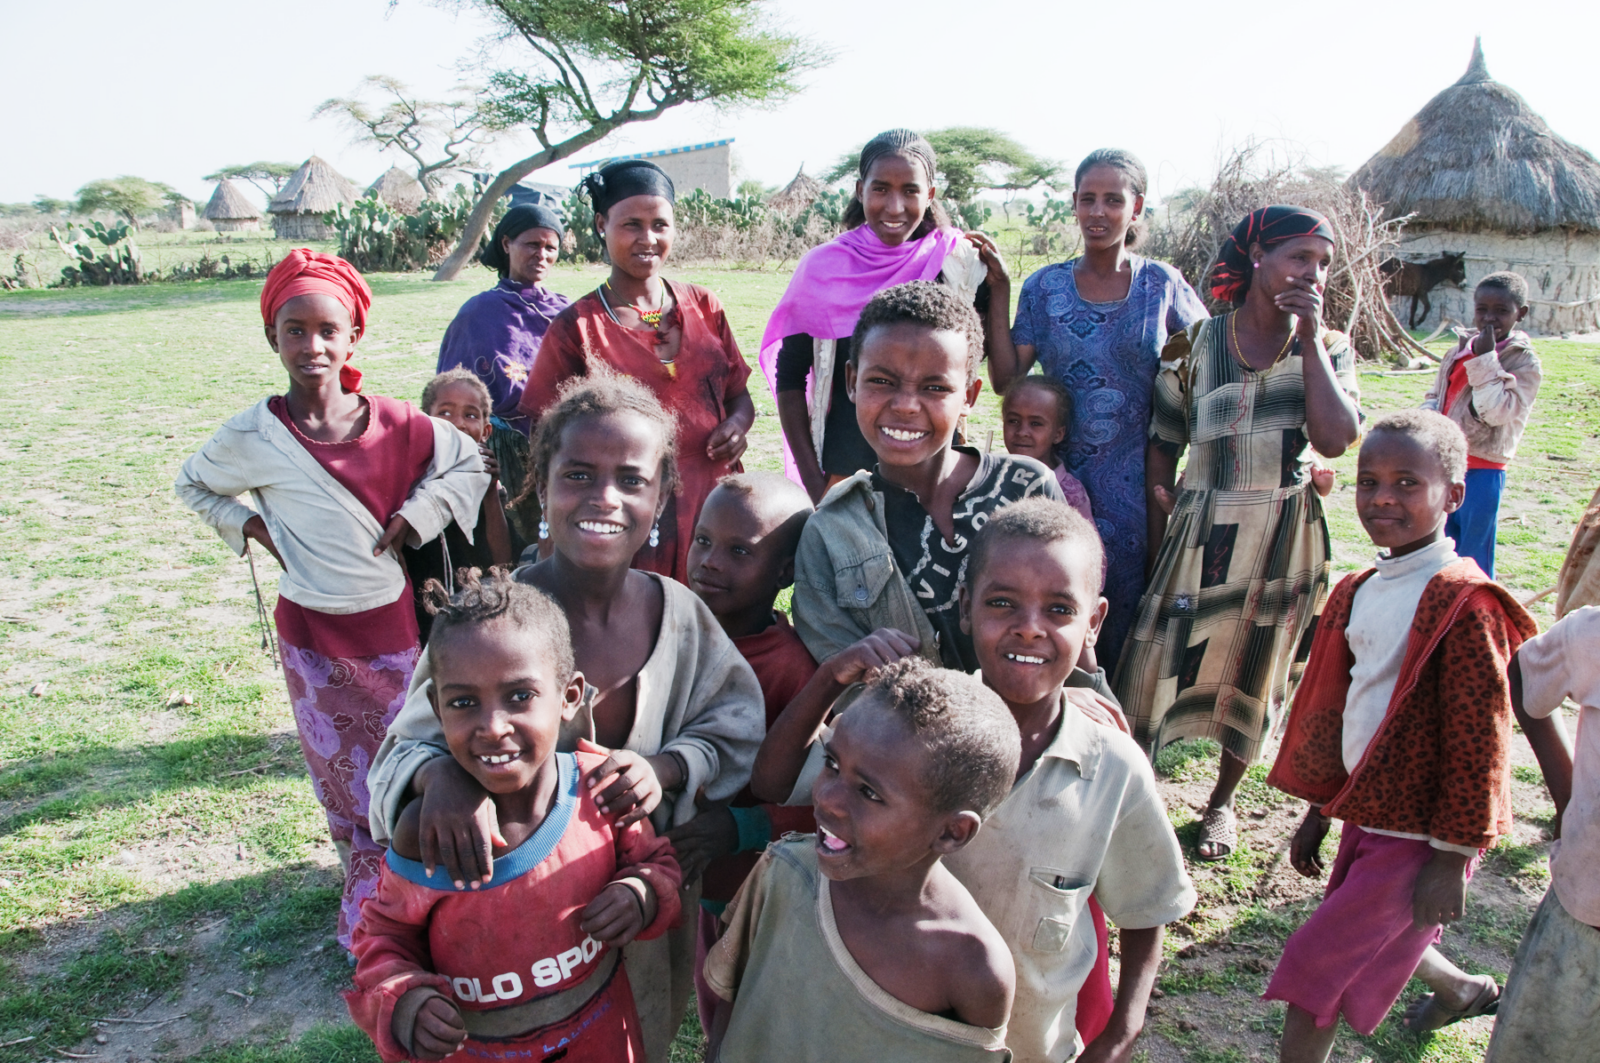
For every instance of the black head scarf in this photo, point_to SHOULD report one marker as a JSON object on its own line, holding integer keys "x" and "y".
{"x": 517, "y": 221}
{"x": 613, "y": 183}
{"x": 1269, "y": 226}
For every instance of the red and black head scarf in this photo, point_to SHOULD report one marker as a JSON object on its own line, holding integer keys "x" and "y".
{"x": 303, "y": 272}
{"x": 1269, "y": 226}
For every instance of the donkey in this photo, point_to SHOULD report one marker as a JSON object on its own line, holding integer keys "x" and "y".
{"x": 1417, "y": 279}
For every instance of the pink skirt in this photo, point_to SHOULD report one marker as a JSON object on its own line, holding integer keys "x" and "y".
{"x": 1357, "y": 951}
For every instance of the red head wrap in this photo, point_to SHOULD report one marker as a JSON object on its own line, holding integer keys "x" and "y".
{"x": 303, "y": 272}
{"x": 1269, "y": 226}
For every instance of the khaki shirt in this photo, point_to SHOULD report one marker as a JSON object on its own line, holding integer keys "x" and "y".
{"x": 1086, "y": 818}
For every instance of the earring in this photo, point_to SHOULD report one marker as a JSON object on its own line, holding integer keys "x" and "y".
{"x": 544, "y": 528}
{"x": 1256, "y": 265}
{"x": 655, "y": 534}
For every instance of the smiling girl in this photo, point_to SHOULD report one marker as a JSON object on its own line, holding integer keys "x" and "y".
{"x": 340, "y": 481}
{"x": 1243, "y": 564}
{"x": 670, "y": 697}
{"x": 1097, "y": 324}
{"x": 896, "y": 231}
{"x": 670, "y": 336}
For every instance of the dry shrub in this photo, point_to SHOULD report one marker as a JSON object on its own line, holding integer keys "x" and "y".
{"x": 1190, "y": 234}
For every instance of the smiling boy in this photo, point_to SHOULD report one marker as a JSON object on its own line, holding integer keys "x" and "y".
{"x": 1402, "y": 729}
{"x": 528, "y": 965}
{"x": 887, "y": 548}
{"x": 1487, "y": 386}
{"x": 856, "y": 942}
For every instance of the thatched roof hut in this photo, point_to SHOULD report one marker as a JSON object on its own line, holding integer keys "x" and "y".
{"x": 315, "y": 189}
{"x": 230, "y": 210}
{"x": 797, "y": 195}
{"x": 1485, "y": 176}
{"x": 399, "y": 189}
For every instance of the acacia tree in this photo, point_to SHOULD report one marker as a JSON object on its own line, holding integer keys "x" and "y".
{"x": 972, "y": 160}
{"x": 599, "y": 65}
{"x": 274, "y": 173}
{"x": 453, "y": 128}
{"x": 131, "y": 197}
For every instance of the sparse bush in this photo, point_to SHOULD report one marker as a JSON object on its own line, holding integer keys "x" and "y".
{"x": 376, "y": 238}
{"x": 223, "y": 268}
{"x": 118, "y": 264}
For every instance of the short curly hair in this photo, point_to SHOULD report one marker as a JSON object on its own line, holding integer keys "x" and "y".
{"x": 1050, "y": 386}
{"x": 1434, "y": 432}
{"x": 1513, "y": 284}
{"x": 600, "y": 394}
{"x": 973, "y": 745}
{"x": 458, "y": 375}
{"x": 926, "y": 303}
{"x": 1042, "y": 520}
{"x": 481, "y": 598}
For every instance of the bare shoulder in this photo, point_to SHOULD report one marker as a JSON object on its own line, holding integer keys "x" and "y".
{"x": 981, "y": 977}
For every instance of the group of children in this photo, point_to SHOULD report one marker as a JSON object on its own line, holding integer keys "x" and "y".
{"x": 894, "y": 824}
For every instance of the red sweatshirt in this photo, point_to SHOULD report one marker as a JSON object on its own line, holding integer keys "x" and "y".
{"x": 516, "y": 940}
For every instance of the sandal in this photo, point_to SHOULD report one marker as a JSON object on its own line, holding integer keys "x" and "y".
{"x": 1219, "y": 828}
{"x": 1427, "y": 1013}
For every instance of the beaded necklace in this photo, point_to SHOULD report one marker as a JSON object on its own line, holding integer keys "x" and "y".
{"x": 649, "y": 317}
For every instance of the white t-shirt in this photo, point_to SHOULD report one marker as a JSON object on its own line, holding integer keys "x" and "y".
{"x": 1558, "y": 664}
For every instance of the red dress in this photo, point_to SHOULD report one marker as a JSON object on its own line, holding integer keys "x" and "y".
{"x": 696, "y": 387}
{"x": 517, "y": 940}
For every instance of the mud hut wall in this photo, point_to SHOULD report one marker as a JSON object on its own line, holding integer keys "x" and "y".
{"x": 1562, "y": 269}
{"x": 237, "y": 225}
{"x": 300, "y": 227}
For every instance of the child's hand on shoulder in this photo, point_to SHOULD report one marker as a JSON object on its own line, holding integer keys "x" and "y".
{"x": 619, "y": 913}
{"x": 439, "y": 1031}
{"x": 857, "y": 661}
{"x": 1440, "y": 895}
{"x": 1305, "y": 848}
{"x": 627, "y": 784}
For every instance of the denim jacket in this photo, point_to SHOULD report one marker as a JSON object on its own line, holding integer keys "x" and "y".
{"x": 846, "y": 582}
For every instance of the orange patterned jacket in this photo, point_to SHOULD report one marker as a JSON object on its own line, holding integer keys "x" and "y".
{"x": 1439, "y": 763}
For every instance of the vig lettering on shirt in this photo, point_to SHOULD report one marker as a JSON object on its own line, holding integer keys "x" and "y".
{"x": 547, "y": 972}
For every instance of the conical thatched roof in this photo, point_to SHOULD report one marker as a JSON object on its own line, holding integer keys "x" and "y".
{"x": 315, "y": 188}
{"x": 797, "y": 195}
{"x": 228, "y": 203}
{"x": 398, "y": 189}
{"x": 1477, "y": 157}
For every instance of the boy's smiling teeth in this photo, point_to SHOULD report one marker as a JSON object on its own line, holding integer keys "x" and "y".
{"x": 1022, "y": 658}
{"x": 498, "y": 758}
{"x": 902, "y": 435}
{"x": 601, "y": 527}
{"x": 830, "y": 841}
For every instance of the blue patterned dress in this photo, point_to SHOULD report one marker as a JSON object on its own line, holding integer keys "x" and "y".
{"x": 1108, "y": 355}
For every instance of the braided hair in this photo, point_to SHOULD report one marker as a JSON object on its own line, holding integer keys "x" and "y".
{"x": 482, "y": 599}
{"x": 912, "y": 147}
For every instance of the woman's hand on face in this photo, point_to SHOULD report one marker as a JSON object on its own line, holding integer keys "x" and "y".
{"x": 256, "y": 528}
{"x": 626, "y": 786}
{"x": 989, "y": 255}
{"x": 727, "y": 442}
{"x": 1305, "y": 303}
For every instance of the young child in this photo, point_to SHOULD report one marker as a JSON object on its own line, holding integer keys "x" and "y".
{"x": 887, "y": 548}
{"x": 1036, "y": 415}
{"x": 856, "y": 942}
{"x": 1487, "y": 386}
{"x": 528, "y": 963}
{"x": 741, "y": 557}
{"x": 668, "y": 694}
{"x": 340, "y": 481}
{"x": 1084, "y": 819}
{"x": 1402, "y": 729}
{"x": 1551, "y": 1006}
{"x": 458, "y": 396}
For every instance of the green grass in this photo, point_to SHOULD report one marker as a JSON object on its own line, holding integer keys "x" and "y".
{"x": 119, "y": 600}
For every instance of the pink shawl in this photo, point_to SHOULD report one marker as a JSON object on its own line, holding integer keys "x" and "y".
{"x": 834, "y": 282}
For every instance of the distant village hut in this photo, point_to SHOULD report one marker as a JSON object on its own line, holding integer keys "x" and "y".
{"x": 708, "y": 166}
{"x": 230, "y": 210}
{"x": 315, "y": 189}
{"x": 399, "y": 190}
{"x": 1487, "y": 178}
{"x": 797, "y": 195}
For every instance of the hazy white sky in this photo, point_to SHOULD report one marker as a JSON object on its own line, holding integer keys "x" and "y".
{"x": 173, "y": 89}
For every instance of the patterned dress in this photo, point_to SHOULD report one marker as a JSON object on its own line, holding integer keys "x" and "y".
{"x": 1108, "y": 355}
{"x": 1225, "y": 624}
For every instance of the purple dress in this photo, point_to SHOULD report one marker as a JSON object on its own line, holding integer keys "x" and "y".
{"x": 1108, "y": 354}
{"x": 496, "y": 334}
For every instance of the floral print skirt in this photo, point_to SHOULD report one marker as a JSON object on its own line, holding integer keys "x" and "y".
{"x": 342, "y": 709}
